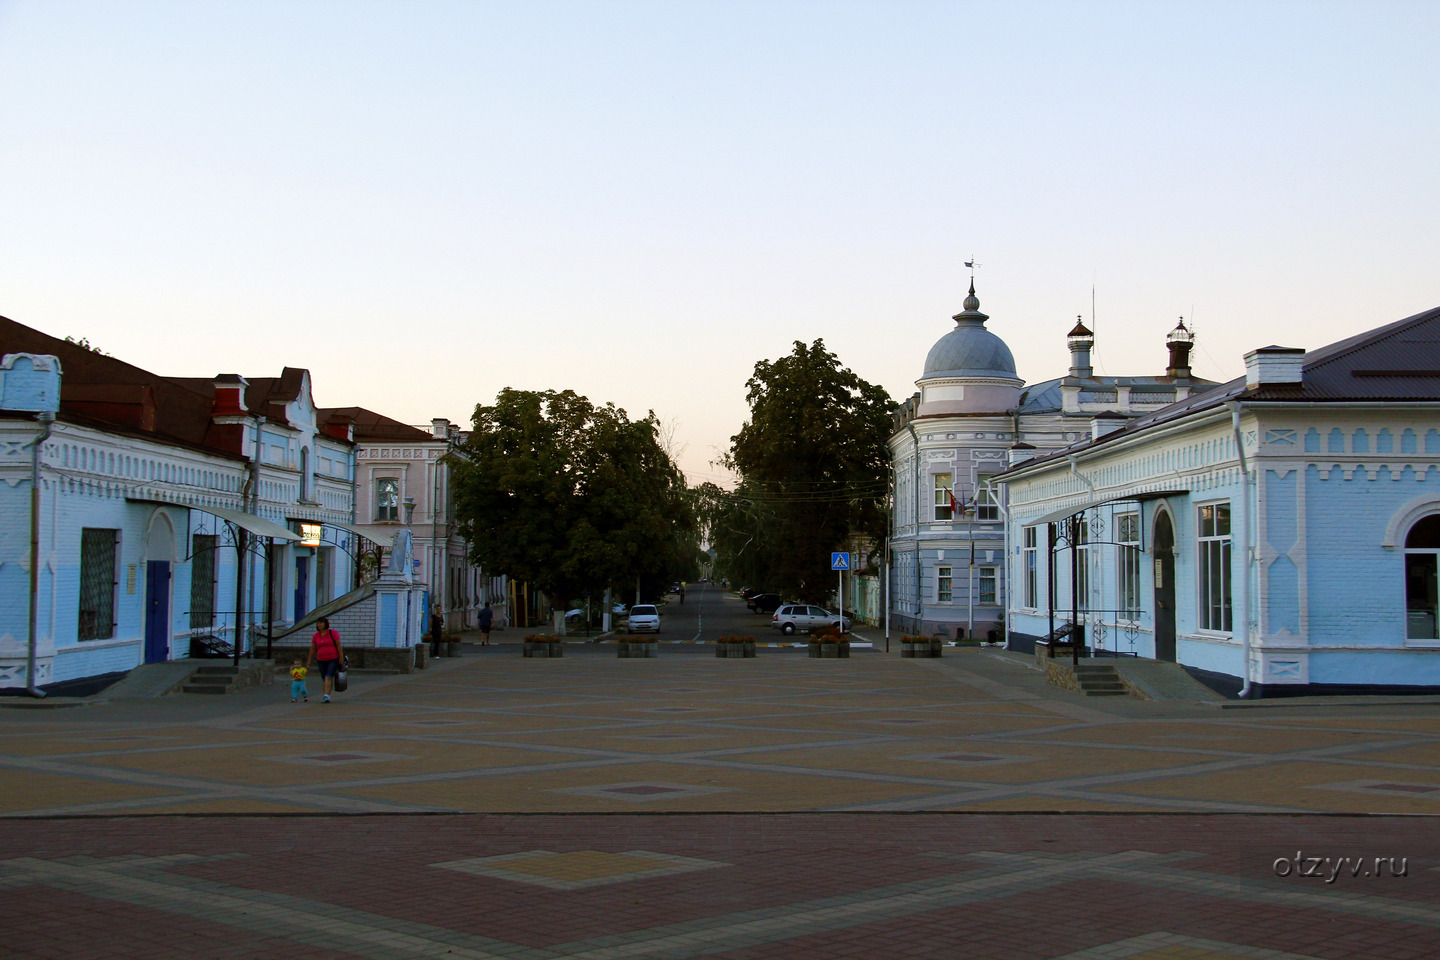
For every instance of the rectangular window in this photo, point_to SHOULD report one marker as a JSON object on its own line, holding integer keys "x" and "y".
{"x": 987, "y": 585}
{"x": 1214, "y": 567}
{"x": 987, "y": 504}
{"x": 202, "y": 580}
{"x": 387, "y": 498}
{"x": 944, "y": 585}
{"x": 1082, "y": 561}
{"x": 1421, "y": 589}
{"x": 97, "y": 583}
{"x": 1127, "y": 535}
{"x": 1030, "y": 586}
{"x": 944, "y": 485}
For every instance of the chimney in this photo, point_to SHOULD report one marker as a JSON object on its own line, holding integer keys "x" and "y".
{"x": 229, "y": 395}
{"x": 1021, "y": 452}
{"x": 439, "y": 428}
{"x": 1179, "y": 340}
{"x": 1080, "y": 340}
{"x": 340, "y": 426}
{"x": 1275, "y": 366}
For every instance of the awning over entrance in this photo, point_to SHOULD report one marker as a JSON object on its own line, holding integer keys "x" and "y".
{"x": 373, "y": 533}
{"x": 246, "y": 521}
{"x": 1064, "y": 512}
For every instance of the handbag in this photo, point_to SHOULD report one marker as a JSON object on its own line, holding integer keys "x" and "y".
{"x": 341, "y": 682}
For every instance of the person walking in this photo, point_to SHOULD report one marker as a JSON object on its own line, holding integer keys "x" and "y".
{"x": 326, "y": 651}
{"x": 487, "y": 620}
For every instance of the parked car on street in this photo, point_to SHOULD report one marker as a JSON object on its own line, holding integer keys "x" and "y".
{"x": 791, "y": 617}
{"x": 644, "y": 618}
{"x": 764, "y": 602}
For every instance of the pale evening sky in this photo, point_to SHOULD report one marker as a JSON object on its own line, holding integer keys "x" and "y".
{"x": 423, "y": 202}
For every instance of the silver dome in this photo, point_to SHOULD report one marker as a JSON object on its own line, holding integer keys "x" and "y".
{"x": 969, "y": 350}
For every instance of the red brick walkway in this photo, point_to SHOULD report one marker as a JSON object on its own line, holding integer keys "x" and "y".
{"x": 731, "y": 886}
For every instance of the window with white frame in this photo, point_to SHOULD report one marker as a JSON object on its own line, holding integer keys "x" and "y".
{"x": 1422, "y": 580}
{"x": 1082, "y": 560}
{"x": 1127, "y": 535}
{"x": 944, "y": 486}
{"x": 987, "y": 585}
{"x": 1214, "y": 567}
{"x": 987, "y": 503}
{"x": 1030, "y": 588}
{"x": 944, "y": 585}
{"x": 387, "y": 498}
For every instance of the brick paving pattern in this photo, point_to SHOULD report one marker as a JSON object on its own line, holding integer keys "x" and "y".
{"x": 690, "y": 806}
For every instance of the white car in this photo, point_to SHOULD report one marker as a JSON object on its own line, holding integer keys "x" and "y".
{"x": 644, "y": 618}
{"x": 797, "y": 616}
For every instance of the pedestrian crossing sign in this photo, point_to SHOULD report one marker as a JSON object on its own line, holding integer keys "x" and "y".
{"x": 839, "y": 561}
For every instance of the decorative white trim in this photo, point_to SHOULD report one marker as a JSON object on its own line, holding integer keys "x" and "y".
{"x": 1407, "y": 516}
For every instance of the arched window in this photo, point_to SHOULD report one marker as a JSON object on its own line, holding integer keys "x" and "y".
{"x": 1422, "y": 598}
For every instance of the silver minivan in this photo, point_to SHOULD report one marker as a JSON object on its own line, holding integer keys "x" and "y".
{"x": 797, "y": 616}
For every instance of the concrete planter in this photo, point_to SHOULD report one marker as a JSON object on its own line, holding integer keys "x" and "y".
{"x": 644, "y": 649}
{"x": 539, "y": 648}
{"x": 736, "y": 650}
{"x": 452, "y": 648}
{"x": 830, "y": 651}
{"x": 920, "y": 648}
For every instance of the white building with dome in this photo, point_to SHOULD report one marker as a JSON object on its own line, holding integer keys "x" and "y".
{"x": 971, "y": 418}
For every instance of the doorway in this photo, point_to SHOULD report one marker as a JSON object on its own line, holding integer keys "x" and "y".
{"x": 302, "y": 587}
{"x": 1164, "y": 588}
{"x": 157, "y": 611}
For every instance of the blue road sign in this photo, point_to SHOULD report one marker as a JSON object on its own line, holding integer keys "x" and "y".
{"x": 839, "y": 561}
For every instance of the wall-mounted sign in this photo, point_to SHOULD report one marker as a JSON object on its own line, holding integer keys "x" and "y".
{"x": 310, "y": 534}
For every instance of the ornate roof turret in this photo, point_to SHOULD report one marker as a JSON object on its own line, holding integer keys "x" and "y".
{"x": 969, "y": 350}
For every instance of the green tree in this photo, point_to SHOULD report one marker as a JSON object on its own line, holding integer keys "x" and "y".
{"x": 814, "y": 469}
{"x": 570, "y": 496}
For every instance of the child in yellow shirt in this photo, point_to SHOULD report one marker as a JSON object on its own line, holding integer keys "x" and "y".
{"x": 297, "y": 682}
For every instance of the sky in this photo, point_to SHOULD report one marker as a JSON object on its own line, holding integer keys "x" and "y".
{"x": 425, "y": 201}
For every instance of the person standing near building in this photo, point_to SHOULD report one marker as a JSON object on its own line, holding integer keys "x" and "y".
{"x": 487, "y": 620}
{"x": 325, "y": 649}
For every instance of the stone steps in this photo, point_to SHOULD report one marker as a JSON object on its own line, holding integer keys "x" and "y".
{"x": 1099, "y": 680}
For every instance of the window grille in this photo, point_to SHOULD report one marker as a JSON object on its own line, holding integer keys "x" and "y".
{"x": 202, "y": 580}
{"x": 97, "y": 583}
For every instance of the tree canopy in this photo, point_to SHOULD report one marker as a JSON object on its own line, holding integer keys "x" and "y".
{"x": 570, "y": 496}
{"x": 814, "y": 468}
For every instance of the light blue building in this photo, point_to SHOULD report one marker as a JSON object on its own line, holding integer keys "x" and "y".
{"x": 1278, "y": 534}
{"x": 146, "y": 518}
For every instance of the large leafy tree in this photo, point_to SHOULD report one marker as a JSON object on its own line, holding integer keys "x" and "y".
{"x": 570, "y": 496}
{"x": 813, "y": 464}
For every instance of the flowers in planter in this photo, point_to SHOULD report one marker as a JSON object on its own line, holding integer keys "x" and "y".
{"x": 543, "y": 638}
{"x": 735, "y": 640}
{"x": 828, "y": 635}
{"x": 912, "y": 638}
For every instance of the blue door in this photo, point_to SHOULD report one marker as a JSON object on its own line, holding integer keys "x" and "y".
{"x": 302, "y": 586}
{"x": 157, "y": 611}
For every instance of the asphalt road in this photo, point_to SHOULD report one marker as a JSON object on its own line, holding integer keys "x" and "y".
{"x": 711, "y": 611}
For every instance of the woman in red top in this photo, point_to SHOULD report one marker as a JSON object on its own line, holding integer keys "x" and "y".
{"x": 326, "y": 650}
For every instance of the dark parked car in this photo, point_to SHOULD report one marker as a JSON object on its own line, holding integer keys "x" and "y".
{"x": 748, "y": 592}
{"x": 764, "y": 602}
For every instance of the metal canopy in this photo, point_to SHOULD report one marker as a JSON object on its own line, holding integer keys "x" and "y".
{"x": 248, "y": 521}
{"x": 1061, "y": 514}
{"x": 374, "y": 533}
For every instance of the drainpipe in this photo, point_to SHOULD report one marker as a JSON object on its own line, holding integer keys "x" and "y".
{"x": 1247, "y": 479}
{"x": 1004, "y": 512}
{"x": 47, "y": 420}
{"x": 919, "y": 604}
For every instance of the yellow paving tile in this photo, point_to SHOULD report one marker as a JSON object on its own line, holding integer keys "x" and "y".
{"x": 1300, "y": 785}
{"x": 26, "y": 790}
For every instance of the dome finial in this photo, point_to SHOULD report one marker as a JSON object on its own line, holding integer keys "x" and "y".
{"x": 972, "y": 302}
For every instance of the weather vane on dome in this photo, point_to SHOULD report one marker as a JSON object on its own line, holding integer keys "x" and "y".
{"x": 972, "y": 263}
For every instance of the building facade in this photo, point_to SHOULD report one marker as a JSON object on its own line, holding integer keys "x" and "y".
{"x": 1278, "y": 534}
{"x": 403, "y": 477}
{"x": 164, "y": 511}
{"x": 972, "y": 414}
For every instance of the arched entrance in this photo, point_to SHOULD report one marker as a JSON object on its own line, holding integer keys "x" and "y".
{"x": 1164, "y": 587}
